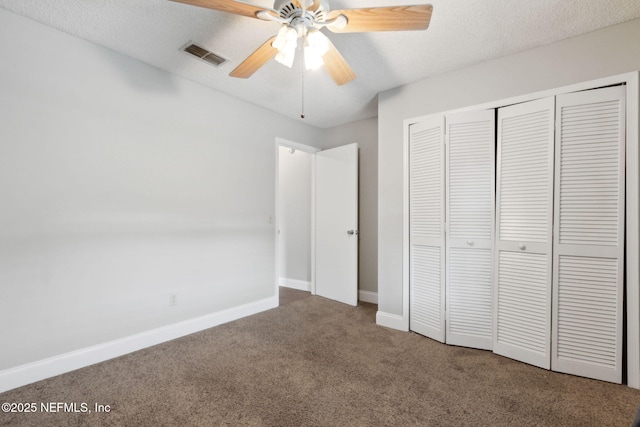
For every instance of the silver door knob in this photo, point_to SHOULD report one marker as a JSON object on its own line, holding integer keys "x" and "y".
{"x": 470, "y": 242}
{"x": 352, "y": 232}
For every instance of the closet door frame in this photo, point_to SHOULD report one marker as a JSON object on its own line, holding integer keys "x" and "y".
{"x": 632, "y": 233}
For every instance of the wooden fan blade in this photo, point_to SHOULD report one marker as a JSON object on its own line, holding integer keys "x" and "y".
{"x": 314, "y": 6}
{"x": 394, "y": 18}
{"x": 229, "y": 6}
{"x": 336, "y": 66}
{"x": 257, "y": 59}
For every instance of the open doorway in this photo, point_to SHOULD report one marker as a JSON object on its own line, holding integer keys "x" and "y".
{"x": 294, "y": 219}
{"x": 317, "y": 220}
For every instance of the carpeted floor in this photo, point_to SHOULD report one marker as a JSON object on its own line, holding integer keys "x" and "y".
{"x": 315, "y": 362}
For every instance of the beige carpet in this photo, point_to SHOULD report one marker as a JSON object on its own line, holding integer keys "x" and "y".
{"x": 315, "y": 362}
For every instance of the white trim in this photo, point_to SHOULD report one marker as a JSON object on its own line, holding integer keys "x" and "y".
{"x": 392, "y": 321}
{"x": 301, "y": 285}
{"x": 313, "y": 225}
{"x": 632, "y": 251}
{"x": 405, "y": 228}
{"x": 276, "y": 221}
{"x": 632, "y": 81}
{"x": 368, "y": 296}
{"x": 31, "y": 372}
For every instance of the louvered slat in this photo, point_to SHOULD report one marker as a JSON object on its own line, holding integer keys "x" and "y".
{"x": 587, "y": 312}
{"x": 426, "y": 228}
{"x": 426, "y": 183}
{"x": 425, "y": 286}
{"x": 470, "y": 178}
{"x": 522, "y": 302}
{"x": 589, "y": 203}
{"x": 469, "y": 290}
{"x": 524, "y": 167}
{"x": 522, "y": 292}
{"x": 589, "y": 245}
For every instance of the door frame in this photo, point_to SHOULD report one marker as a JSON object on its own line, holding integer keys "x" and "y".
{"x": 632, "y": 230}
{"x": 281, "y": 142}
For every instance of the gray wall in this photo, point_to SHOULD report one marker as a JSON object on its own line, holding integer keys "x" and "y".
{"x": 614, "y": 50}
{"x": 120, "y": 185}
{"x": 365, "y": 133}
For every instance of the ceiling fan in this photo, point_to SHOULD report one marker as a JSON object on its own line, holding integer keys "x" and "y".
{"x": 303, "y": 19}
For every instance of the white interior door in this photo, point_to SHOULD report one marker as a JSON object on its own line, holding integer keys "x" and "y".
{"x": 336, "y": 234}
{"x": 522, "y": 284}
{"x": 426, "y": 228}
{"x": 470, "y": 210}
{"x": 589, "y": 238}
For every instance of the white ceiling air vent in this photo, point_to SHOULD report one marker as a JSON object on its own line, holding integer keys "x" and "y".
{"x": 203, "y": 54}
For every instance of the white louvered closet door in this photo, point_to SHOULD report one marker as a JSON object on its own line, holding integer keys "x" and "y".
{"x": 470, "y": 176}
{"x": 522, "y": 283}
{"x": 426, "y": 228}
{"x": 589, "y": 238}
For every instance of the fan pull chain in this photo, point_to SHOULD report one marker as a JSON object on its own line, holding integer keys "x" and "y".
{"x": 302, "y": 102}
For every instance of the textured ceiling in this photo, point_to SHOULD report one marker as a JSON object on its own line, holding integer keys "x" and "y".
{"x": 462, "y": 32}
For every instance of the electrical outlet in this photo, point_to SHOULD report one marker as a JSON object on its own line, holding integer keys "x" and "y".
{"x": 173, "y": 300}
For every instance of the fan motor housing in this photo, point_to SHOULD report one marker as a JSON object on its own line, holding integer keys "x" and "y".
{"x": 288, "y": 9}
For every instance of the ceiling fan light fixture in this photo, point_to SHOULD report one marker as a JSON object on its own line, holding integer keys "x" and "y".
{"x": 281, "y": 38}
{"x": 315, "y": 46}
{"x": 286, "y": 42}
{"x": 317, "y": 41}
{"x": 312, "y": 61}
{"x": 286, "y": 55}
{"x": 300, "y": 18}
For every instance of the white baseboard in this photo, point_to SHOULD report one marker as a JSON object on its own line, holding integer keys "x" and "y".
{"x": 392, "y": 321}
{"x": 31, "y": 372}
{"x": 295, "y": 284}
{"x": 368, "y": 296}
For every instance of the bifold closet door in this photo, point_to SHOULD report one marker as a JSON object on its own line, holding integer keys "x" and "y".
{"x": 470, "y": 183}
{"x": 426, "y": 229}
{"x": 522, "y": 283}
{"x": 589, "y": 237}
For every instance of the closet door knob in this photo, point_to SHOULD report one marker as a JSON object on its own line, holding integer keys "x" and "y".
{"x": 522, "y": 246}
{"x": 470, "y": 242}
